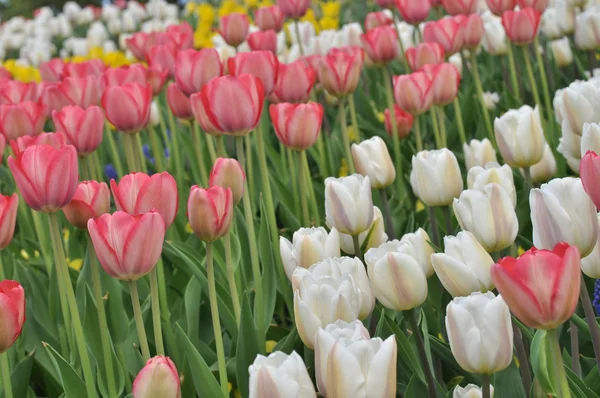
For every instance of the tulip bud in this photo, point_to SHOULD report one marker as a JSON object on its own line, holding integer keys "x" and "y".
{"x": 15, "y": 92}
{"x": 297, "y": 125}
{"x": 497, "y": 7}
{"x": 294, "y": 9}
{"x": 480, "y": 332}
{"x": 159, "y": 378}
{"x": 12, "y": 313}
{"x": 590, "y": 139}
{"x": 309, "y": 246}
{"x": 262, "y": 64}
{"x": 234, "y": 28}
{"x": 418, "y": 245}
{"x": 464, "y": 267}
{"x": 381, "y": 44}
{"x": 404, "y": 121}
{"x": 210, "y": 212}
{"x": 178, "y": 102}
{"x": 590, "y": 265}
{"x": 413, "y": 12}
{"x": 520, "y": 136}
{"x": 545, "y": 168}
{"x": 156, "y": 78}
{"x": 447, "y": 32}
{"x": 228, "y": 173}
{"x": 82, "y": 91}
{"x": 127, "y": 107}
{"x": 521, "y": 26}
{"x": 470, "y": 391}
{"x": 445, "y": 80}
{"x": 435, "y": 177}
{"x": 269, "y": 17}
{"x": 52, "y": 71}
{"x": 460, "y": 7}
{"x": 479, "y": 177}
{"x": 561, "y": 51}
{"x": 294, "y": 83}
{"x": 279, "y": 376}
{"x": 372, "y": 237}
{"x": 350, "y": 364}
{"x": 162, "y": 58}
{"x": 83, "y": 128}
{"x": 424, "y": 54}
{"x": 540, "y": 305}
{"x": 539, "y": 5}
{"x": 8, "y": 218}
{"x": 494, "y": 37}
{"x": 414, "y": 92}
{"x": 263, "y": 41}
{"x": 579, "y": 104}
{"x": 479, "y": 153}
{"x": 473, "y": 30}
{"x": 26, "y": 118}
{"x": 586, "y": 28}
{"x": 91, "y": 200}
{"x": 376, "y": 19}
{"x": 339, "y": 71}
{"x": 561, "y": 212}
{"x": 193, "y": 69}
{"x": 349, "y": 204}
{"x": 372, "y": 159}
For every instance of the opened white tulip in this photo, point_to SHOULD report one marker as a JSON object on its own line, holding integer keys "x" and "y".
{"x": 478, "y": 177}
{"x": 374, "y": 236}
{"x": 580, "y": 104}
{"x": 546, "y": 168}
{"x": 561, "y": 51}
{"x": 349, "y": 204}
{"x": 561, "y": 211}
{"x": 489, "y": 216}
{"x": 549, "y": 25}
{"x": 372, "y": 159}
{"x": 570, "y": 146}
{"x": 308, "y": 246}
{"x": 480, "y": 332}
{"x": 280, "y": 376}
{"x": 464, "y": 267}
{"x": 590, "y": 265}
{"x": 435, "y": 177}
{"x": 350, "y": 364}
{"x": 590, "y": 139}
{"x": 520, "y": 136}
{"x": 478, "y": 153}
{"x": 470, "y": 391}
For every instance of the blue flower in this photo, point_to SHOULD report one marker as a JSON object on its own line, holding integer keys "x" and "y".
{"x": 110, "y": 172}
{"x": 596, "y": 298}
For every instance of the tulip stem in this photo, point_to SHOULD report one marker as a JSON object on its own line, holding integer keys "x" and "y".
{"x": 214, "y": 311}
{"x": 522, "y": 356}
{"x": 527, "y": 178}
{"x": 442, "y": 120}
{"x": 403, "y": 55}
{"x": 574, "y": 334}
{"x": 484, "y": 110}
{"x": 448, "y": 219}
{"x": 231, "y": 279}
{"x": 197, "y": 137}
{"x": 176, "y": 153}
{"x": 530, "y": 76}
{"x": 141, "y": 159}
{"x": 414, "y": 325}
{"x": 321, "y": 149}
{"x": 345, "y": 137}
{"x": 221, "y": 152}
{"x": 116, "y": 157}
{"x": 296, "y": 183}
{"x": 297, "y": 30}
{"x": 485, "y": 386}
{"x": 158, "y": 337}
{"x": 591, "y": 319}
{"x": 6, "y": 382}
{"x": 353, "y": 118}
{"x": 556, "y": 362}
{"x": 357, "y": 251}
{"x": 157, "y": 149}
{"x": 303, "y": 201}
{"x": 419, "y": 139}
{"x": 139, "y": 320}
{"x": 434, "y": 227}
{"x": 389, "y": 93}
{"x": 545, "y": 91}
{"x": 387, "y": 214}
{"x": 459, "y": 120}
{"x": 129, "y": 154}
{"x": 61, "y": 262}
{"x": 249, "y": 169}
{"x": 436, "y": 129}
{"x": 513, "y": 72}
{"x": 314, "y": 207}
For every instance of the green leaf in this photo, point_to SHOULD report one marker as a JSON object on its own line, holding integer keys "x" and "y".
{"x": 508, "y": 383}
{"x": 406, "y": 353}
{"x": 247, "y": 347}
{"x": 73, "y": 385}
{"x": 540, "y": 355}
{"x": 287, "y": 344}
{"x": 575, "y": 383}
{"x": 20, "y": 376}
{"x": 269, "y": 285}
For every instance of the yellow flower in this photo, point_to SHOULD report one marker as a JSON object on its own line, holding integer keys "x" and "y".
{"x": 190, "y": 8}
{"x": 269, "y": 345}
{"x": 230, "y": 6}
{"x": 66, "y": 234}
{"x": 205, "y": 13}
{"x": 520, "y": 251}
{"x": 352, "y": 134}
{"x": 329, "y": 23}
{"x": 419, "y": 206}
{"x": 251, "y": 3}
{"x": 188, "y": 228}
{"x": 27, "y": 74}
{"x": 380, "y": 117}
{"x": 24, "y": 254}
{"x": 78, "y": 58}
{"x": 116, "y": 59}
{"x": 265, "y": 3}
{"x": 331, "y": 9}
{"x": 95, "y": 52}
{"x": 343, "y": 172}
{"x": 202, "y": 40}
{"x": 75, "y": 264}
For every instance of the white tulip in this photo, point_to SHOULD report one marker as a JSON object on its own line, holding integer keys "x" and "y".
{"x": 478, "y": 153}
{"x": 586, "y": 29}
{"x": 580, "y": 104}
{"x": 374, "y": 236}
{"x": 561, "y": 51}
{"x": 280, "y": 376}
{"x": 520, "y": 136}
{"x": 110, "y": 12}
{"x": 590, "y": 140}
{"x": 418, "y": 245}
{"x": 129, "y": 21}
{"x": 372, "y": 159}
{"x": 479, "y": 177}
{"x": 308, "y": 247}
{"x": 494, "y": 36}
{"x": 546, "y": 168}
{"x": 557, "y": 105}
{"x": 490, "y": 100}
{"x": 470, "y": 391}
{"x": 349, "y": 204}
{"x": 456, "y": 60}
{"x": 435, "y": 177}
{"x": 349, "y": 35}
{"x": 549, "y": 24}
{"x": 570, "y": 146}
{"x": 565, "y": 17}
{"x": 590, "y": 265}
{"x": 306, "y": 29}
{"x": 154, "y": 114}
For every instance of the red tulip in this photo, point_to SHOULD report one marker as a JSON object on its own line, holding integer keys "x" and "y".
{"x": 589, "y": 170}
{"x": 135, "y": 73}
{"x": 456, "y": 7}
{"x": 91, "y": 200}
{"x": 210, "y": 212}
{"x": 414, "y": 12}
{"x": 234, "y": 28}
{"x": 8, "y": 218}
{"x": 269, "y": 17}
{"x": 376, "y": 19}
{"x": 193, "y": 69}
{"x": 55, "y": 140}
{"x": 262, "y": 64}
{"x": 162, "y": 58}
{"x": 445, "y": 80}
{"x": 539, "y": 5}
{"x": 263, "y": 40}
{"x": 424, "y": 54}
{"x": 159, "y": 378}
{"x": 521, "y": 26}
{"x": 473, "y": 30}
{"x": 93, "y": 67}
{"x": 179, "y": 103}
{"x": 182, "y": 35}
{"x": 138, "y": 193}
{"x": 381, "y": 44}
{"x": 51, "y": 96}
{"x": 497, "y": 7}
{"x": 83, "y": 128}
{"x": 26, "y": 118}
{"x": 82, "y": 91}
{"x": 414, "y": 92}
{"x": 15, "y": 92}
{"x": 404, "y": 121}
{"x": 52, "y": 71}
{"x": 228, "y": 173}
{"x": 139, "y": 43}
{"x": 297, "y": 125}
{"x": 128, "y": 247}
{"x": 212, "y": 105}
{"x": 541, "y": 287}
{"x": 294, "y": 8}
{"x": 12, "y": 313}
{"x": 339, "y": 71}
{"x": 386, "y": 3}
{"x": 156, "y": 79}
{"x": 294, "y": 83}
{"x": 127, "y": 107}
{"x": 447, "y": 32}
{"x": 46, "y": 176}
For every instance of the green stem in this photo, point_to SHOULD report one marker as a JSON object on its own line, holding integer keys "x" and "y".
{"x": 139, "y": 319}
{"x": 250, "y": 168}
{"x": 296, "y": 183}
{"x": 116, "y": 157}
{"x": 387, "y": 214}
{"x": 522, "y": 356}
{"x": 357, "y": 251}
{"x": 157, "y": 149}
{"x": 436, "y": 129}
{"x": 556, "y": 362}
{"x": 435, "y": 235}
{"x": 459, "y": 120}
{"x": 139, "y": 153}
{"x": 231, "y": 279}
{"x": 402, "y": 56}
{"x": 528, "y": 182}
{"x": 389, "y": 93}
{"x": 197, "y": 137}
{"x": 2, "y": 273}
{"x": 442, "y": 120}
{"x": 485, "y": 386}
{"x": 158, "y": 338}
{"x": 531, "y": 77}
{"x": 41, "y": 233}
{"x": 484, "y": 110}
{"x": 97, "y": 165}
{"x": 61, "y": 262}
{"x": 176, "y": 152}
{"x": 164, "y": 310}
{"x": 545, "y": 91}
{"x": 130, "y": 157}
{"x": 419, "y": 139}
{"x": 5, "y": 368}
{"x": 414, "y": 325}
{"x": 85, "y": 173}
{"x": 211, "y": 148}
{"x": 345, "y": 138}
{"x": 297, "y": 30}
{"x": 214, "y": 311}
{"x": 513, "y": 71}
{"x": 302, "y": 193}
{"x": 323, "y": 170}
{"x": 221, "y": 146}
{"x": 590, "y": 318}
{"x": 575, "y": 354}
{"x": 314, "y": 207}
{"x": 353, "y": 118}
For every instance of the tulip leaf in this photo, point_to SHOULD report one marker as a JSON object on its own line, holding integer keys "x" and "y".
{"x": 406, "y": 353}
{"x": 508, "y": 383}
{"x": 247, "y": 346}
{"x": 540, "y": 357}
{"x": 20, "y": 376}
{"x": 579, "y": 386}
{"x": 269, "y": 285}
{"x": 287, "y": 344}
{"x": 192, "y": 299}
{"x": 73, "y": 385}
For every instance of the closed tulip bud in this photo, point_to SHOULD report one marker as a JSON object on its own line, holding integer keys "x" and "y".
{"x": 127, "y": 107}
{"x": 297, "y": 125}
{"x": 418, "y": 245}
{"x": 309, "y": 246}
{"x": 140, "y": 42}
{"x": 228, "y": 173}
{"x": 349, "y": 204}
{"x": 263, "y": 41}
{"x": 435, "y": 177}
{"x": 8, "y": 218}
{"x": 480, "y": 332}
{"x": 590, "y": 139}
{"x": 91, "y": 200}
{"x": 193, "y": 69}
{"x": 52, "y": 71}
{"x": 489, "y": 216}
{"x": 179, "y": 103}
{"x": 234, "y": 28}
{"x": 561, "y": 51}
{"x": 460, "y": 7}
{"x": 210, "y": 212}
{"x": 381, "y": 44}
{"x": 479, "y": 153}
{"x": 294, "y": 9}
{"x": 413, "y": 12}
{"x": 494, "y": 37}
{"x": 339, "y": 71}
{"x": 55, "y": 140}
{"x": 397, "y": 279}
{"x": 445, "y": 80}
{"x": 378, "y": 18}
{"x": 83, "y": 128}
{"x": 414, "y": 92}
{"x": 94, "y": 67}
{"x": 579, "y": 104}
{"x": 51, "y": 97}
{"x": 15, "y": 92}
{"x": 373, "y": 237}
{"x": 470, "y": 391}
{"x": 294, "y": 83}
{"x": 478, "y": 177}
{"x": 464, "y": 267}
{"x": 279, "y": 376}
{"x": 539, "y": 5}
{"x": 350, "y": 364}
{"x": 520, "y": 136}
{"x": 545, "y": 168}
{"x": 404, "y": 122}
{"x": 497, "y": 7}
{"x": 472, "y": 29}
{"x": 586, "y": 30}
{"x": 424, "y": 54}
{"x": 156, "y": 79}
{"x": 386, "y": 3}
{"x": 269, "y": 17}
{"x": 521, "y": 26}
{"x": 12, "y": 313}
{"x": 540, "y": 305}
{"x": 159, "y": 378}
{"x": 26, "y": 118}
{"x": 211, "y": 106}
{"x": 372, "y": 159}
{"x": 561, "y": 212}
{"x": 82, "y": 91}
{"x": 161, "y": 57}
{"x": 447, "y": 32}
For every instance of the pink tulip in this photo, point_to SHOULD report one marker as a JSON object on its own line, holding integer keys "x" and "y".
{"x": 339, "y": 71}
{"x": 53, "y": 70}
{"x": 297, "y": 125}
{"x": 83, "y": 128}
{"x": 262, "y": 64}
{"x": 447, "y": 32}
{"x": 212, "y": 105}
{"x": 234, "y": 28}
{"x": 135, "y": 73}
{"x": 181, "y": 35}
{"x": 26, "y": 118}
{"x": 127, "y": 107}
{"x": 179, "y": 103}
{"x": 51, "y": 96}
{"x": 312, "y": 61}
{"x": 413, "y": 12}
{"x": 294, "y": 84}
{"x": 270, "y": 17}
{"x": 15, "y": 92}
{"x": 539, "y": 5}
{"x": 376, "y": 19}
{"x": 12, "y": 313}
{"x": 445, "y": 80}
{"x": 156, "y": 79}
{"x": 128, "y": 247}
{"x": 93, "y": 67}
{"x": 521, "y": 26}
{"x": 91, "y": 200}
{"x": 139, "y": 43}
{"x": 294, "y": 9}
{"x": 497, "y": 7}
{"x": 424, "y": 54}
{"x": 193, "y": 69}
{"x": 386, "y": 3}
{"x": 541, "y": 287}
{"x": 2, "y": 146}
{"x": 82, "y": 91}
{"x": 162, "y": 58}
{"x": 159, "y": 378}
{"x": 473, "y": 30}
{"x": 46, "y": 176}
{"x": 589, "y": 170}
{"x": 210, "y": 212}
{"x": 404, "y": 122}
{"x": 381, "y": 44}
{"x": 8, "y": 218}
{"x": 456, "y": 7}
{"x": 263, "y": 40}
{"x": 4, "y": 74}
{"x": 55, "y": 140}
{"x": 228, "y": 173}
{"x": 414, "y": 92}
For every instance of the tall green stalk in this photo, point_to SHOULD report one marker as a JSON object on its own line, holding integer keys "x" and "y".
{"x": 345, "y": 137}
{"x": 231, "y": 279}
{"x": 5, "y": 369}
{"x": 139, "y": 319}
{"x": 414, "y": 325}
{"x": 353, "y": 117}
{"x": 513, "y": 71}
{"x": 442, "y": 120}
{"x": 197, "y": 138}
{"x": 459, "y": 120}
{"x": 314, "y": 207}
{"x": 176, "y": 153}
{"x": 389, "y": 94}
{"x": 419, "y": 139}
{"x": 158, "y": 337}
{"x": 157, "y": 149}
{"x": 302, "y": 193}
{"x": 436, "y": 129}
{"x": 116, "y": 157}
{"x": 557, "y": 366}
{"x": 590, "y": 318}
{"x": 484, "y": 110}
{"x": 531, "y": 77}
{"x": 545, "y": 90}
{"x": 130, "y": 157}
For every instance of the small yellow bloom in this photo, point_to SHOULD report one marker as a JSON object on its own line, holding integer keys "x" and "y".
{"x": 95, "y": 52}
{"x": 76, "y": 264}
{"x": 380, "y": 117}
{"x": 329, "y": 23}
{"x": 265, "y": 3}
{"x": 352, "y": 134}
{"x": 419, "y": 206}
{"x": 331, "y": 9}
{"x": 188, "y": 228}
{"x": 520, "y": 251}
{"x": 343, "y": 172}
{"x": 190, "y": 8}
{"x": 66, "y": 234}
{"x": 24, "y": 254}
{"x": 251, "y": 3}
{"x": 270, "y": 345}
{"x": 205, "y": 13}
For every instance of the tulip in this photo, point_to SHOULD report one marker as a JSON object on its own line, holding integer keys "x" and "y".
{"x": 565, "y": 17}
{"x": 262, "y": 64}
{"x": 55, "y": 140}
{"x": 447, "y": 32}
{"x": 404, "y": 122}
{"x": 413, "y": 12}
{"x": 497, "y": 7}
{"x": 372, "y": 237}
{"x": 193, "y": 69}
{"x": 15, "y": 92}
{"x": 128, "y": 247}
{"x": 521, "y": 26}
{"x": 494, "y": 37}
{"x": 279, "y": 376}
{"x": 589, "y": 171}
{"x": 435, "y": 177}
{"x": 26, "y": 118}
{"x": 179, "y": 103}
{"x": 8, "y": 218}
{"x": 156, "y": 79}
{"x": 159, "y": 378}
{"x": 269, "y": 17}
{"x": 12, "y": 313}
{"x": 480, "y": 332}
{"x": 381, "y": 44}
{"x": 339, "y": 71}
{"x": 488, "y": 215}
{"x": 228, "y": 173}
{"x": 372, "y": 159}
{"x": 478, "y": 153}
{"x": 294, "y": 83}
{"x": 263, "y": 41}
{"x": 294, "y": 9}
{"x": 297, "y": 125}
{"x": 414, "y": 92}
{"x": 93, "y": 67}
{"x": 210, "y": 212}
{"x": 464, "y": 267}
{"x": 445, "y": 80}
{"x": 587, "y": 37}
{"x": 139, "y": 43}
{"x": 376, "y": 19}
{"x": 51, "y": 97}
{"x": 473, "y": 29}
{"x": 386, "y": 3}
{"x": 561, "y": 212}
{"x": 546, "y": 168}
{"x": 52, "y": 71}
{"x": 127, "y": 107}
{"x": 579, "y": 104}
{"x": 397, "y": 279}
{"x": 590, "y": 139}
{"x": 561, "y": 51}
{"x": 211, "y": 106}
{"x": 162, "y": 58}
{"x": 82, "y": 91}
{"x": 590, "y": 265}
{"x": 549, "y": 25}
{"x": 348, "y": 203}
{"x": 418, "y": 245}
{"x": 520, "y": 136}
{"x": 478, "y": 177}
{"x": 349, "y": 364}
{"x": 234, "y": 28}
{"x": 470, "y": 391}
{"x": 539, "y": 5}
{"x": 309, "y": 246}
{"x": 91, "y": 200}
{"x": 424, "y": 54}
{"x": 83, "y": 128}
{"x": 460, "y": 7}
{"x": 540, "y": 305}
